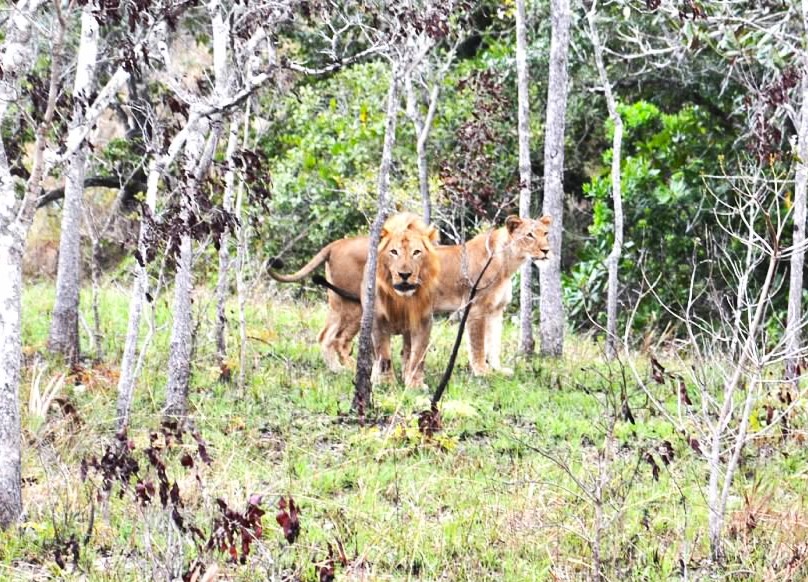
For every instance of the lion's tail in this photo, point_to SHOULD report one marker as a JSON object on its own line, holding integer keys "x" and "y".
{"x": 316, "y": 261}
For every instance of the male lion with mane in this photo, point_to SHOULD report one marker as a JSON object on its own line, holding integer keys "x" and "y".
{"x": 520, "y": 239}
{"x": 406, "y": 284}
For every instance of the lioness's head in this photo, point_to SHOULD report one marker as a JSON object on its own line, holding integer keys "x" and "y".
{"x": 530, "y": 237}
{"x": 407, "y": 261}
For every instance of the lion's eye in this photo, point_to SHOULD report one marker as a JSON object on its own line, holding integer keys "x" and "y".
{"x": 394, "y": 252}
{"x": 416, "y": 252}
{"x": 530, "y": 235}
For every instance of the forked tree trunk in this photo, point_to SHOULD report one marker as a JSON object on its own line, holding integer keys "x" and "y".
{"x": 795, "y": 285}
{"x": 364, "y": 358}
{"x": 140, "y": 286}
{"x": 552, "y": 308}
{"x": 613, "y": 261}
{"x": 64, "y": 330}
{"x": 526, "y": 343}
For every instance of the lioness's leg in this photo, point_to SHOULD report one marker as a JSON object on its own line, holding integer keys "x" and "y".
{"x": 493, "y": 343}
{"x": 350, "y": 320}
{"x": 328, "y": 339}
{"x": 418, "y": 341}
{"x": 476, "y": 337}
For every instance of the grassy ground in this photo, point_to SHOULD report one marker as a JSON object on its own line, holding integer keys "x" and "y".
{"x": 504, "y": 492}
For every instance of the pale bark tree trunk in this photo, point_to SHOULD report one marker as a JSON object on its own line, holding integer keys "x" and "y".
{"x": 551, "y": 305}
{"x": 220, "y": 35}
{"x": 179, "y": 350}
{"x": 716, "y": 495}
{"x": 613, "y": 261}
{"x": 364, "y": 358}
{"x": 140, "y": 287}
{"x": 795, "y": 286}
{"x": 526, "y": 343}
{"x": 422, "y": 126}
{"x": 17, "y": 56}
{"x": 64, "y": 330}
{"x": 224, "y": 242}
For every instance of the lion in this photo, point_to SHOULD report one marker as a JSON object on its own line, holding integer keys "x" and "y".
{"x": 407, "y": 272}
{"x": 519, "y": 239}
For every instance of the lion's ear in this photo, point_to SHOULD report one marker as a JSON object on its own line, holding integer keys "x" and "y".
{"x": 433, "y": 234}
{"x": 384, "y": 233}
{"x": 512, "y": 223}
{"x": 546, "y": 220}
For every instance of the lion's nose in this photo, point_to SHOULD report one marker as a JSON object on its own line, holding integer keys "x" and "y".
{"x": 404, "y": 276}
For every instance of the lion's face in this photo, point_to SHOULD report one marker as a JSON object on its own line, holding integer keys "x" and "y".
{"x": 404, "y": 258}
{"x": 407, "y": 255}
{"x": 530, "y": 238}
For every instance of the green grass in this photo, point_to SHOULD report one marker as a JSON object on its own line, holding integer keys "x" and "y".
{"x": 476, "y": 502}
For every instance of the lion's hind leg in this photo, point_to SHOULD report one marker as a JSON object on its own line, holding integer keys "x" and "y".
{"x": 329, "y": 342}
{"x": 350, "y": 321}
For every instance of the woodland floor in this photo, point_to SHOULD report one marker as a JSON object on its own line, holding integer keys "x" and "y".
{"x": 486, "y": 499}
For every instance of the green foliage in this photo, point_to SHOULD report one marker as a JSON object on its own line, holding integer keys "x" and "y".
{"x": 666, "y": 209}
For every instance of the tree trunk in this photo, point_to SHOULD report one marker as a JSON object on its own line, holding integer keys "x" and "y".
{"x": 364, "y": 358}
{"x": 64, "y": 330}
{"x": 551, "y": 306}
{"x": 422, "y": 128}
{"x": 15, "y": 221}
{"x": 613, "y": 261}
{"x": 527, "y": 343}
{"x": 795, "y": 285}
{"x": 10, "y": 343}
{"x": 179, "y": 350}
{"x": 128, "y": 377}
{"x": 224, "y": 245}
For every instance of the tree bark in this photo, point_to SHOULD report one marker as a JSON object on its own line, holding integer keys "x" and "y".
{"x": 10, "y": 343}
{"x": 795, "y": 284}
{"x": 220, "y": 35}
{"x": 526, "y": 343}
{"x": 422, "y": 128}
{"x": 64, "y": 330}
{"x": 224, "y": 244}
{"x": 613, "y": 261}
{"x": 551, "y": 306}
{"x": 126, "y": 382}
{"x": 179, "y": 350}
{"x": 364, "y": 358}
{"x": 17, "y": 56}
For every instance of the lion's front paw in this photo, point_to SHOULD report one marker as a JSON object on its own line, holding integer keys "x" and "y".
{"x": 504, "y": 371}
{"x": 382, "y": 373}
{"x": 480, "y": 371}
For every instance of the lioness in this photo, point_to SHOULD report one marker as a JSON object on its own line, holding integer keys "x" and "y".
{"x": 518, "y": 240}
{"x": 407, "y": 273}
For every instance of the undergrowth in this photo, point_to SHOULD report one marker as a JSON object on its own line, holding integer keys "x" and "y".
{"x": 281, "y": 482}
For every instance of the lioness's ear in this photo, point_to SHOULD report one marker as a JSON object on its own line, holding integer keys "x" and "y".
{"x": 384, "y": 233}
{"x": 433, "y": 234}
{"x": 546, "y": 220}
{"x": 512, "y": 223}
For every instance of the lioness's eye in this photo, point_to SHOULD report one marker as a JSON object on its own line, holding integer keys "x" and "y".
{"x": 394, "y": 252}
{"x": 416, "y": 252}
{"x": 530, "y": 235}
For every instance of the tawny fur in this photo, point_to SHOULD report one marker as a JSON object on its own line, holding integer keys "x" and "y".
{"x": 406, "y": 315}
{"x": 345, "y": 262}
